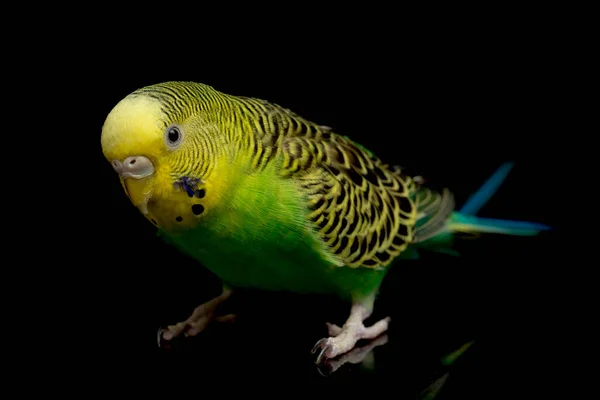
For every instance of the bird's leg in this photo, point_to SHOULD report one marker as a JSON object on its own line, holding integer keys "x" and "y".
{"x": 342, "y": 339}
{"x": 358, "y": 355}
{"x": 200, "y": 318}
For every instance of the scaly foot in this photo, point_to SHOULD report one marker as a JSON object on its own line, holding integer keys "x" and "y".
{"x": 343, "y": 339}
{"x": 202, "y": 316}
{"x": 358, "y": 355}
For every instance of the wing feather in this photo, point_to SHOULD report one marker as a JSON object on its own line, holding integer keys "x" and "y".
{"x": 366, "y": 212}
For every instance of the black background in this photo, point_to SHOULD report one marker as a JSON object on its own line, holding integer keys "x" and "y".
{"x": 454, "y": 129}
{"x": 451, "y": 111}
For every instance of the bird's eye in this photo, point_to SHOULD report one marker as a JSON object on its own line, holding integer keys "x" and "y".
{"x": 173, "y": 136}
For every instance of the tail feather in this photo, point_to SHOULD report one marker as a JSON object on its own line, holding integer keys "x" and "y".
{"x": 486, "y": 191}
{"x": 466, "y": 221}
{"x": 472, "y": 224}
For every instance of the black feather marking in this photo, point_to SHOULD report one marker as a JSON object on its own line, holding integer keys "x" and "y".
{"x": 323, "y": 223}
{"x": 353, "y": 224}
{"x": 336, "y": 221}
{"x": 369, "y": 263}
{"x": 335, "y": 241}
{"x": 197, "y": 209}
{"x": 355, "y": 245}
{"x": 383, "y": 256}
{"x": 402, "y": 230}
{"x": 372, "y": 177}
{"x": 344, "y": 224}
{"x": 405, "y": 204}
{"x": 355, "y": 177}
{"x": 341, "y": 196}
{"x": 318, "y": 204}
{"x": 343, "y": 245}
{"x": 373, "y": 242}
{"x": 398, "y": 241}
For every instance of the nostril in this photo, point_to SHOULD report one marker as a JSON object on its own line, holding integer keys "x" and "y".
{"x": 136, "y": 167}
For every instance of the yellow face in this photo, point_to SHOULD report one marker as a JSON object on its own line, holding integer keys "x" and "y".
{"x": 151, "y": 156}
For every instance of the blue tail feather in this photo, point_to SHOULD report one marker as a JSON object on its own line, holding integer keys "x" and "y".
{"x": 473, "y": 224}
{"x": 486, "y": 191}
{"x": 465, "y": 220}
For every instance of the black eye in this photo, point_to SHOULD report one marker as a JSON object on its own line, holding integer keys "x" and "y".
{"x": 173, "y": 135}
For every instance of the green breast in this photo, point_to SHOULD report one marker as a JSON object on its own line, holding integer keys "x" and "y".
{"x": 260, "y": 238}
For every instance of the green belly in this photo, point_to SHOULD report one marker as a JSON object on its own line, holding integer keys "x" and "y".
{"x": 288, "y": 262}
{"x": 260, "y": 237}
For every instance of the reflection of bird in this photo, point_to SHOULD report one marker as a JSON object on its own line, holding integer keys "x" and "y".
{"x": 434, "y": 389}
{"x": 266, "y": 199}
{"x": 358, "y": 355}
{"x": 436, "y": 386}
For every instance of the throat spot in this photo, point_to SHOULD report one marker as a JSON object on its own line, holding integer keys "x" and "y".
{"x": 179, "y": 213}
{"x": 197, "y": 209}
{"x": 180, "y": 210}
{"x": 191, "y": 186}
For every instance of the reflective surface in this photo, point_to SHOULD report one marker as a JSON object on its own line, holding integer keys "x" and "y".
{"x": 273, "y": 335}
{"x": 437, "y": 306}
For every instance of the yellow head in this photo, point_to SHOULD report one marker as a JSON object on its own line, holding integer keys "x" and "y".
{"x": 164, "y": 141}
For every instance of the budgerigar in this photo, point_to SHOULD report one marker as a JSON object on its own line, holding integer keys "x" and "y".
{"x": 269, "y": 200}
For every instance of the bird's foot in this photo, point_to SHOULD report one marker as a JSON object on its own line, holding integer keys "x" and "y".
{"x": 343, "y": 339}
{"x": 358, "y": 355}
{"x": 202, "y": 316}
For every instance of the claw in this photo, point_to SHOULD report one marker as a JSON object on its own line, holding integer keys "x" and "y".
{"x": 359, "y": 356}
{"x": 325, "y": 370}
{"x": 325, "y": 347}
{"x": 160, "y": 338}
{"x": 323, "y": 354}
{"x": 317, "y": 345}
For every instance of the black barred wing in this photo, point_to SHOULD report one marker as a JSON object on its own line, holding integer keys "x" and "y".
{"x": 364, "y": 211}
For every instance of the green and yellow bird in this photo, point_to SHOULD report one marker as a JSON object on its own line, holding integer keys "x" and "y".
{"x": 267, "y": 199}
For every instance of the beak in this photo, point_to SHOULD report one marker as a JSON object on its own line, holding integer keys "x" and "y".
{"x": 133, "y": 172}
{"x": 137, "y": 167}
